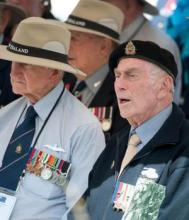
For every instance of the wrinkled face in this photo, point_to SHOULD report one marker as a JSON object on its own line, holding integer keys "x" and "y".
{"x": 85, "y": 51}
{"x": 30, "y": 81}
{"x": 136, "y": 90}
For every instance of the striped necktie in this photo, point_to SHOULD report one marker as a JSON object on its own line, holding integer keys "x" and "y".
{"x": 17, "y": 152}
{"x": 134, "y": 140}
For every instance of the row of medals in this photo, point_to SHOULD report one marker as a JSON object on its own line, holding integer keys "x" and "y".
{"x": 47, "y": 172}
{"x": 100, "y": 113}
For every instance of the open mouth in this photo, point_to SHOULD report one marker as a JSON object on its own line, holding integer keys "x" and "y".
{"x": 18, "y": 81}
{"x": 123, "y": 101}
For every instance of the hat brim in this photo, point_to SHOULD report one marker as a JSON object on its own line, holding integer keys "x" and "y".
{"x": 7, "y": 55}
{"x": 150, "y": 9}
{"x": 18, "y": 13}
{"x": 89, "y": 31}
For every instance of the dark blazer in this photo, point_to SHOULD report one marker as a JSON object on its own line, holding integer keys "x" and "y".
{"x": 104, "y": 97}
{"x": 185, "y": 106}
{"x": 167, "y": 152}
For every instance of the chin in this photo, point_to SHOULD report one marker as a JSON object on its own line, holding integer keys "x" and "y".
{"x": 124, "y": 114}
{"x": 18, "y": 91}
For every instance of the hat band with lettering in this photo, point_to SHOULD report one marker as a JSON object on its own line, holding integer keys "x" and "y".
{"x": 84, "y": 23}
{"x": 36, "y": 52}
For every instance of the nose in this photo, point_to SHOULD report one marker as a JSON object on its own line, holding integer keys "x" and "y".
{"x": 119, "y": 84}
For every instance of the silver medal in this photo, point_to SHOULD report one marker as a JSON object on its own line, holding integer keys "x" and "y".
{"x": 46, "y": 173}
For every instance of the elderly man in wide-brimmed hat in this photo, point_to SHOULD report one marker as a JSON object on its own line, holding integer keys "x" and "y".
{"x": 138, "y": 27}
{"x": 95, "y": 27}
{"x": 49, "y": 140}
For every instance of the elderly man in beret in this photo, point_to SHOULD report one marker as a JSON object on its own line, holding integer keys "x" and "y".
{"x": 49, "y": 140}
{"x": 138, "y": 27}
{"x": 143, "y": 173}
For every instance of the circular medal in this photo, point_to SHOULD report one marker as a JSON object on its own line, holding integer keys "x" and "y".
{"x": 106, "y": 124}
{"x": 46, "y": 173}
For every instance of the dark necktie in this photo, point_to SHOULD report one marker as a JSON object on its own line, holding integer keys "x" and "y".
{"x": 17, "y": 152}
{"x": 79, "y": 88}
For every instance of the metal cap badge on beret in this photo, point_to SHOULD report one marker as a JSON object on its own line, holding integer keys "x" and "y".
{"x": 97, "y": 17}
{"x": 145, "y": 50}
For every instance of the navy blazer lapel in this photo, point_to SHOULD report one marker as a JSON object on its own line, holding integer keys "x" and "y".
{"x": 171, "y": 128}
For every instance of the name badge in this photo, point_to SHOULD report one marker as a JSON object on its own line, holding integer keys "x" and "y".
{"x": 7, "y": 203}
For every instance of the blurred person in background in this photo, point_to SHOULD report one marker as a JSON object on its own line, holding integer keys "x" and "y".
{"x": 47, "y": 10}
{"x": 95, "y": 28}
{"x": 178, "y": 28}
{"x": 10, "y": 16}
{"x": 137, "y": 27}
{"x": 31, "y": 7}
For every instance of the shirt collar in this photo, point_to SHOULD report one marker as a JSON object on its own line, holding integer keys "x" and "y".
{"x": 42, "y": 107}
{"x": 95, "y": 80}
{"x": 148, "y": 129}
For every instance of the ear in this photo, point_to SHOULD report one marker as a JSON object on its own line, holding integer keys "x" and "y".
{"x": 106, "y": 48}
{"x": 55, "y": 75}
{"x": 165, "y": 87}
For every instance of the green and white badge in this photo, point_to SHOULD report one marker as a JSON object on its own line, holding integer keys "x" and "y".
{"x": 147, "y": 197}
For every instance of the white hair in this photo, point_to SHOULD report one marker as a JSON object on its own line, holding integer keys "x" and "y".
{"x": 157, "y": 72}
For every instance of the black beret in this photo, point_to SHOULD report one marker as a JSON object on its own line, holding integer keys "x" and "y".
{"x": 145, "y": 50}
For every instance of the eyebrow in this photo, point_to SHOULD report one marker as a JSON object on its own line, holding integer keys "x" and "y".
{"x": 130, "y": 70}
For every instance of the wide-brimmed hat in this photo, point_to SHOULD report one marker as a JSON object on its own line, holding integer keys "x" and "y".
{"x": 96, "y": 17}
{"x": 145, "y": 50}
{"x": 17, "y": 15}
{"x": 41, "y": 42}
{"x": 149, "y": 8}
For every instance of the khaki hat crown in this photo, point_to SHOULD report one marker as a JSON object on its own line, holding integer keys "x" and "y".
{"x": 97, "y": 17}
{"x": 40, "y": 42}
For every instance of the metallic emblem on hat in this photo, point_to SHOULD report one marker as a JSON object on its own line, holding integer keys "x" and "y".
{"x": 18, "y": 149}
{"x": 130, "y": 48}
{"x": 46, "y": 173}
